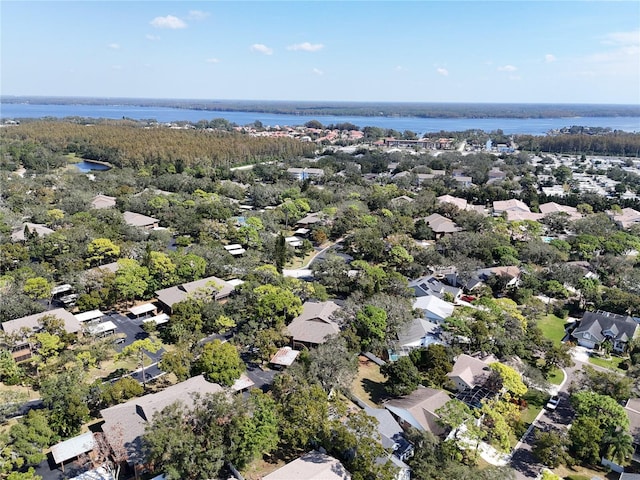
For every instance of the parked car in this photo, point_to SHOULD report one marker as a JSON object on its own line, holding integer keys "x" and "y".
{"x": 552, "y": 404}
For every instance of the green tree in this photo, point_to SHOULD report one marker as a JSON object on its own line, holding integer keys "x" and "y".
{"x": 619, "y": 448}
{"x": 162, "y": 270}
{"x": 122, "y": 390}
{"x": 178, "y": 361}
{"x": 585, "y": 436}
{"x": 190, "y": 444}
{"x": 256, "y": 433}
{"x": 10, "y": 372}
{"x": 402, "y": 377}
{"x": 552, "y": 448}
{"x": 220, "y": 363}
{"x": 131, "y": 279}
{"x": 332, "y": 365}
{"x": 434, "y": 364}
{"x": 509, "y": 379}
{"x": 137, "y": 349}
{"x": 65, "y": 395}
{"x": 101, "y": 250}
{"x": 276, "y": 305}
{"x": 371, "y": 326}
{"x": 280, "y": 253}
{"x": 31, "y": 436}
{"x": 453, "y": 415}
{"x": 37, "y": 288}
{"x": 303, "y": 412}
{"x": 48, "y": 345}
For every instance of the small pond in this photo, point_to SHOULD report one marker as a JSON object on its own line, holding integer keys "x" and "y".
{"x": 85, "y": 166}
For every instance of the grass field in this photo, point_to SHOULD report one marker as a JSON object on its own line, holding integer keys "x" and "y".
{"x": 556, "y": 377}
{"x": 552, "y": 328}
{"x": 368, "y": 385}
{"x": 612, "y": 363}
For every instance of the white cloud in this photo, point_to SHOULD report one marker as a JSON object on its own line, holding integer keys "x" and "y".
{"x": 113, "y": 46}
{"x": 622, "y": 38}
{"x": 549, "y": 58}
{"x": 260, "y": 48}
{"x": 153, "y": 38}
{"x": 212, "y": 60}
{"x": 507, "y": 68}
{"x": 442, "y": 71}
{"x": 116, "y": 67}
{"x": 197, "y": 15}
{"x": 169, "y": 21}
{"x": 400, "y": 68}
{"x": 306, "y": 47}
{"x": 317, "y": 71}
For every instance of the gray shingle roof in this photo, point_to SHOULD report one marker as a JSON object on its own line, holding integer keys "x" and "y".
{"x": 620, "y": 327}
{"x": 315, "y": 323}
{"x": 71, "y": 323}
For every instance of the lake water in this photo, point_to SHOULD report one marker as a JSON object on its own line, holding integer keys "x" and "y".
{"x": 89, "y": 166}
{"x": 533, "y": 126}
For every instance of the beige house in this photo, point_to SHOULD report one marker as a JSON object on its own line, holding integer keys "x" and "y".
{"x": 469, "y": 372}
{"x": 211, "y": 286}
{"x": 141, "y": 221}
{"x": 314, "y": 324}
{"x": 418, "y": 409}
{"x": 311, "y": 466}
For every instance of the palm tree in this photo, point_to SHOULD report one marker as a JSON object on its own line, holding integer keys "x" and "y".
{"x": 619, "y": 447}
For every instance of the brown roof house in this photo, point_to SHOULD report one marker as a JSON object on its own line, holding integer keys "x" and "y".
{"x": 311, "y": 466}
{"x": 210, "y": 286}
{"x": 103, "y": 201}
{"x": 314, "y": 324}
{"x": 469, "y": 372}
{"x": 138, "y": 220}
{"x": 124, "y": 424}
{"x": 18, "y": 235}
{"x": 441, "y": 225}
{"x": 23, "y": 328}
{"x": 418, "y": 409}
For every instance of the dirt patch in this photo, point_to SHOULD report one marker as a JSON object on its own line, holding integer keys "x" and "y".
{"x": 369, "y": 383}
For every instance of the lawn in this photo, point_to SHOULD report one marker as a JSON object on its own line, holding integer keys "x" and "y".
{"x": 369, "y": 384}
{"x": 552, "y": 328}
{"x": 556, "y": 377}
{"x": 612, "y": 363}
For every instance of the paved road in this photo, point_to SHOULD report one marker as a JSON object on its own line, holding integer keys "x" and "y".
{"x": 522, "y": 459}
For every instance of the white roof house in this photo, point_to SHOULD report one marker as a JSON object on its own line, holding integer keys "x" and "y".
{"x": 311, "y": 466}
{"x": 433, "y": 308}
{"x": 73, "y": 447}
{"x": 88, "y": 316}
{"x": 142, "y": 309}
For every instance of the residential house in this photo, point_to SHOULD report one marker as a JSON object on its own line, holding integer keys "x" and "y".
{"x": 632, "y": 409}
{"x": 441, "y": 225}
{"x": 141, "y": 221}
{"x": 402, "y": 199}
{"x": 597, "y": 327}
{"x": 418, "y": 409}
{"x": 419, "y": 333}
{"x": 311, "y": 466}
{"x": 469, "y": 372}
{"x": 211, "y": 286}
{"x": 22, "y": 328}
{"x": 124, "y": 424}
{"x": 310, "y": 219}
{"x": 34, "y": 229}
{"x": 553, "y": 207}
{"x": 433, "y": 308}
{"x": 461, "y": 203}
{"x": 625, "y": 218}
{"x": 513, "y": 205}
{"x": 495, "y": 175}
{"x": 391, "y": 437}
{"x": 430, "y": 285}
{"x": 511, "y": 275}
{"x": 103, "y": 201}
{"x": 463, "y": 180}
{"x": 314, "y": 324}
{"x": 284, "y": 357}
{"x": 72, "y": 448}
{"x": 305, "y": 173}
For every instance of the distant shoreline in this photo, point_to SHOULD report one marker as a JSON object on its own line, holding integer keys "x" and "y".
{"x": 364, "y": 109}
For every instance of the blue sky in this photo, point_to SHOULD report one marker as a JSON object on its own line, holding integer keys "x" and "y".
{"x": 419, "y": 51}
